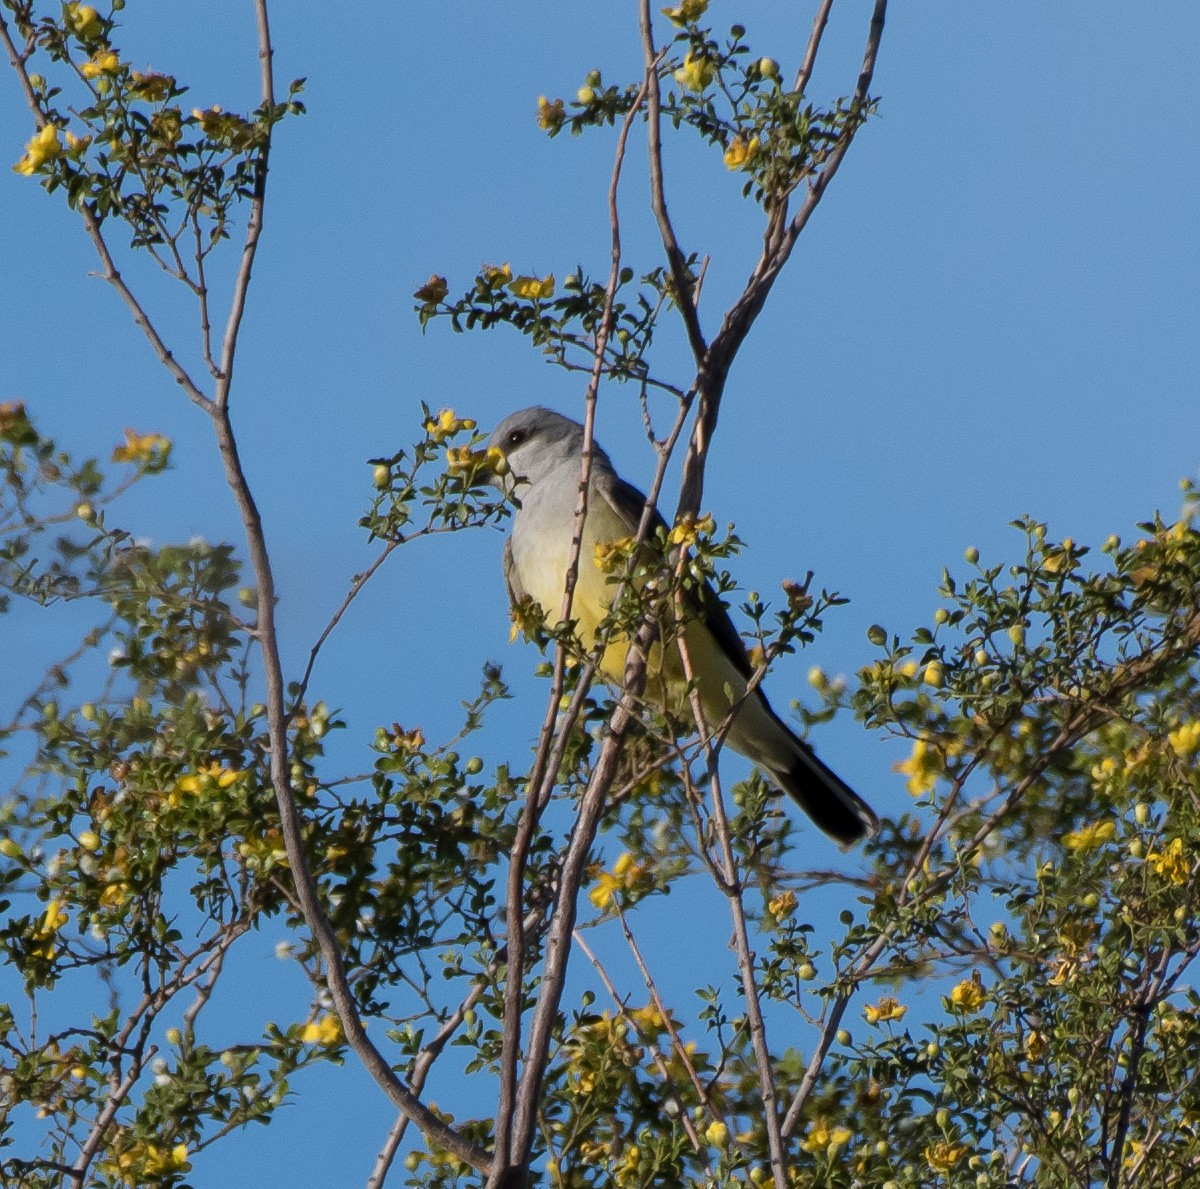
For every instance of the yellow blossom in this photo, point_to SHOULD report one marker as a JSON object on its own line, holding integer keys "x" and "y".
{"x": 888, "y": 1008}
{"x": 101, "y": 62}
{"x": 463, "y": 458}
{"x": 496, "y": 276}
{"x": 83, "y": 20}
{"x": 741, "y": 152}
{"x": 141, "y": 1161}
{"x": 226, "y": 128}
{"x": 1036, "y": 1045}
{"x": 77, "y": 145}
{"x": 44, "y": 147}
{"x": 821, "y": 1137}
{"x": 907, "y": 669}
{"x": 922, "y": 768}
{"x": 532, "y": 288}
{"x": 1185, "y": 739}
{"x": 150, "y": 448}
{"x": 53, "y": 919}
{"x": 209, "y": 777}
{"x": 696, "y": 73}
{"x": 626, "y": 874}
{"x": 782, "y": 906}
{"x": 1089, "y": 837}
{"x": 550, "y": 114}
{"x": 408, "y": 741}
{"x": 943, "y": 1156}
{"x": 114, "y": 895}
{"x": 650, "y": 1021}
{"x": 446, "y": 424}
{"x": 325, "y": 1031}
{"x": 611, "y": 555}
{"x": 716, "y": 1133}
{"x": 969, "y": 995}
{"x": 688, "y": 530}
{"x": 687, "y": 13}
{"x": 1170, "y": 863}
{"x": 433, "y": 291}
{"x": 151, "y": 86}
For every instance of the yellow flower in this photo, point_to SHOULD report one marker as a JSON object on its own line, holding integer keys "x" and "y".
{"x": 550, "y": 114}
{"x": 610, "y": 556}
{"x": 782, "y": 906}
{"x": 969, "y": 995}
{"x": 151, "y": 86}
{"x": 102, "y": 62}
{"x": 446, "y": 424}
{"x": 650, "y": 1021}
{"x": 139, "y": 1162}
{"x": 496, "y": 276}
{"x": 211, "y": 776}
{"x": 433, "y": 290}
{"x": 922, "y": 768}
{"x": 77, "y": 145}
{"x": 532, "y": 288}
{"x": 716, "y": 1134}
{"x": 408, "y": 741}
{"x": 1170, "y": 863}
{"x": 943, "y": 1156}
{"x": 44, "y": 147}
{"x": 821, "y": 1137}
{"x": 1089, "y": 837}
{"x": 151, "y": 448}
{"x": 741, "y": 152}
{"x": 83, "y": 20}
{"x": 114, "y": 894}
{"x": 325, "y": 1031}
{"x": 886, "y": 1009}
{"x": 53, "y": 919}
{"x": 688, "y": 13}
{"x": 463, "y": 458}
{"x": 688, "y": 531}
{"x": 626, "y": 874}
{"x": 1036, "y": 1045}
{"x": 1185, "y": 739}
{"x": 697, "y": 72}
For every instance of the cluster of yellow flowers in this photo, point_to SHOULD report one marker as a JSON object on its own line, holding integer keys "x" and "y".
{"x": 1170, "y": 863}
{"x": 532, "y": 288}
{"x": 103, "y": 62}
{"x": 822, "y": 1137}
{"x": 141, "y": 1161}
{"x": 210, "y": 778}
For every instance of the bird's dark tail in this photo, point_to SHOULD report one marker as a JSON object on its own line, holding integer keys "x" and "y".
{"x": 831, "y": 803}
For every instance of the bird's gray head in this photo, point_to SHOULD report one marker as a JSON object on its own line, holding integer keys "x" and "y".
{"x": 537, "y": 440}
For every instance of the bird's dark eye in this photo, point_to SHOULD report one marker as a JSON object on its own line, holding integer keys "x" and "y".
{"x": 517, "y": 436}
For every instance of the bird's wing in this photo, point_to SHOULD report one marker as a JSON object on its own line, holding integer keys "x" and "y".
{"x": 627, "y": 502}
{"x": 512, "y": 580}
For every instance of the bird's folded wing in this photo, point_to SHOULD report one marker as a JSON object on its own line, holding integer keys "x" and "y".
{"x": 628, "y": 503}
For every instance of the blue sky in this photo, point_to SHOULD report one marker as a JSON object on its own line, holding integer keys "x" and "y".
{"x": 992, "y": 313}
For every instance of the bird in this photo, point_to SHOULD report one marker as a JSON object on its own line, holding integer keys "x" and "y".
{"x": 537, "y": 456}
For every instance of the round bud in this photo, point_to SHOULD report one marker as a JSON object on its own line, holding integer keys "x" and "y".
{"x": 768, "y": 68}
{"x": 586, "y": 96}
{"x": 941, "y": 615}
{"x": 474, "y": 766}
{"x": 842, "y": 1037}
{"x": 382, "y": 475}
{"x": 89, "y": 840}
{"x": 806, "y": 973}
{"x": 1141, "y": 813}
{"x": 971, "y": 555}
{"x": 877, "y": 635}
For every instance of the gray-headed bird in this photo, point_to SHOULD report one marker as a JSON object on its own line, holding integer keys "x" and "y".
{"x": 543, "y": 453}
